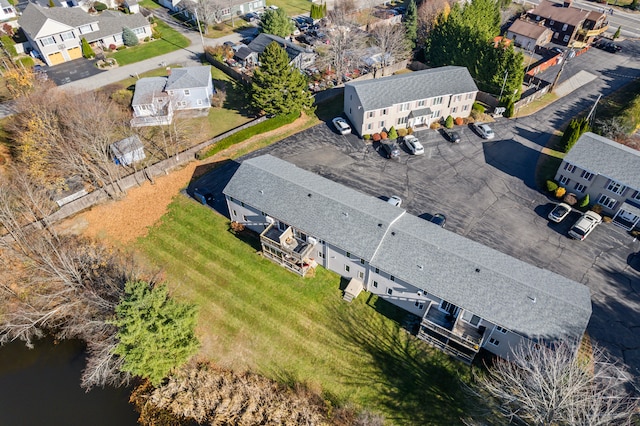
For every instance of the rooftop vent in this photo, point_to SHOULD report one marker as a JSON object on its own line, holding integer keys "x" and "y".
{"x": 261, "y": 191}
{"x": 532, "y": 299}
{"x": 345, "y": 214}
{"x": 379, "y": 225}
{"x": 478, "y": 270}
{"x": 393, "y": 233}
{"x": 309, "y": 195}
{"x": 420, "y": 267}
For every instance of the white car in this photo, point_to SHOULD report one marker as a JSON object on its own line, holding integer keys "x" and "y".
{"x": 341, "y": 125}
{"x": 484, "y": 130}
{"x": 413, "y": 144}
{"x": 583, "y": 227}
{"x": 394, "y": 200}
{"x": 559, "y": 212}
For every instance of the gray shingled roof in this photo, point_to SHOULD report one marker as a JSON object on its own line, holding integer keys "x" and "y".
{"x": 109, "y": 22}
{"x": 347, "y": 218}
{"x": 189, "y": 77}
{"x": 603, "y": 156}
{"x": 382, "y": 92}
{"x": 263, "y": 40}
{"x": 504, "y": 289}
{"x": 502, "y": 292}
{"x": 126, "y": 145}
{"x": 147, "y": 88}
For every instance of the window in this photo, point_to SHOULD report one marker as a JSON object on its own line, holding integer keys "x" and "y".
{"x": 362, "y": 261}
{"x": 375, "y": 284}
{"x": 501, "y": 329}
{"x": 402, "y": 120}
{"x": 226, "y": 11}
{"x": 181, "y": 103}
{"x": 138, "y": 31}
{"x": 348, "y": 254}
{"x": 580, "y": 187}
{"x": 564, "y": 27}
{"x": 389, "y": 291}
{"x": 361, "y": 275}
{"x": 47, "y": 41}
{"x": 369, "y": 126}
{"x": 586, "y": 175}
{"x": 392, "y": 278}
{"x": 469, "y": 96}
{"x": 244, "y": 217}
{"x": 320, "y": 254}
{"x": 346, "y": 268}
{"x": 437, "y": 101}
{"x": 421, "y": 103}
{"x": 67, "y": 36}
{"x": 404, "y": 107}
{"x": 419, "y": 305}
{"x": 569, "y": 167}
{"x": 615, "y": 187}
{"x": 381, "y": 124}
{"x": 636, "y": 196}
{"x": 187, "y": 92}
{"x": 465, "y": 108}
{"x": 565, "y": 38}
{"x": 242, "y": 203}
{"x": 377, "y": 271}
{"x": 474, "y": 320}
{"x": 454, "y": 110}
{"x": 199, "y": 101}
{"x": 435, "y": 114}
{"x": 234, "y": 213}
{"x": 564, "y": 180}
{"x": 371, "y": 114}
{"x": 385, "y": 111}
{"x": 85, "y": 29}
{"x": 607, "y": 202}
{"x": 494, "y": 342}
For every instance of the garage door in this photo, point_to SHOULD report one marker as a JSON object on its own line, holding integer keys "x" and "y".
{"x": 55, "y": 58}
{"x": 75, "y": 53}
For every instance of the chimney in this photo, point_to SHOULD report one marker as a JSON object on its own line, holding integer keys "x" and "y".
{"x": 567, "y": 3}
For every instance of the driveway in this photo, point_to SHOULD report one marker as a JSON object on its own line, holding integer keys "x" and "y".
{"x": 485, "y": 188}
{"x": 71, "y": 71}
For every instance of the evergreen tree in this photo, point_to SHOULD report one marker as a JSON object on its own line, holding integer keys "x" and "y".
{"x": 87, "y": 51}
{"x": 411, "y": 23}
{"x": 277, "y": 22}
{"x": 51, "y": 3}
{"x": 393, "y": 133}
{"x": 129, "y": 37}
{"x": 448, "y": 122}
{"x": 277, "y": 87}
{"x": 634, "y": 5}
{"x": 617, "y": 33}
{"x": 155, "y": 333}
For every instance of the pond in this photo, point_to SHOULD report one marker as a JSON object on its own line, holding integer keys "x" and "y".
{"x": 42, "y": 386}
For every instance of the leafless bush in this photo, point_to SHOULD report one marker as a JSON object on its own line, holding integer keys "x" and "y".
{"x": 219, "y": 97}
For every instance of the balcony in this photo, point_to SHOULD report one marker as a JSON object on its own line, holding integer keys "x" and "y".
{"x": 594, "y": 32}
{"x": 452, "y": 335}
{"x": 284, "y": 248}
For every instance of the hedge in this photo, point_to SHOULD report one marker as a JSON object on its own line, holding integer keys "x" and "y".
{"x": 244, "y": 134}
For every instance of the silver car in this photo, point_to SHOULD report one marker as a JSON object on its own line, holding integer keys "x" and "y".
{"x": 583, "y": 226}
{"x": 413, "y": 145}
{"x": 484, "y": 130}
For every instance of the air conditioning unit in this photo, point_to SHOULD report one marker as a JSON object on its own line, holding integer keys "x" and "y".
{"x": 270, "y": 219}
{"x": 419, "y": 292}
{"x": 312, "y": 240}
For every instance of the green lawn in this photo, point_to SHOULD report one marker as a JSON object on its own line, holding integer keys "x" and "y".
{"x": 171, "y": 40}
{"x": 149, "y": 4}
{"x": 292, "y": 7}
{"x": 255, "y": 315}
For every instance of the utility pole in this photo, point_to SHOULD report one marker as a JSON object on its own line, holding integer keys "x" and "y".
{"x": 593, "y": 109}
{"x": 504, "y": 81}
{"x": 555, "y": 81}
{"x": 199, "y": 29}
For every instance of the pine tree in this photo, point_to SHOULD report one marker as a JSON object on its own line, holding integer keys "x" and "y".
{"x": 129, "y": 37}
{"x": 411, "y": 22}
{"x": 155, "y": 333}
{"x": 277, "y": 87}
{"x": 277, "y": 22}
{"x": 617, "y": 33}
{"x": 87, "y": 51}
{"x": 393, "y": 133}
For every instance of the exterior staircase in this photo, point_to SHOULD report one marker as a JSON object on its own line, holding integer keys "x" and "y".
{"x": 353, "y": 289}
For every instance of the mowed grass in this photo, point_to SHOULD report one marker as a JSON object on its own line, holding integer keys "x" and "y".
{"x": 255, "y": 315}
{"x": 170, "y": 40}
{"x": 292, "y": 7}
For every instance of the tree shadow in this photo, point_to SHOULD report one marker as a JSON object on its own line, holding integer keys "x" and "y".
{"x": 239, "y": 99}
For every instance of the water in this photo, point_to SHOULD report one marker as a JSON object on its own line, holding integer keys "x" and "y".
{"x": 41, "y": 386}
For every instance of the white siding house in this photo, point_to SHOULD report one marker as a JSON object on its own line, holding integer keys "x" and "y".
{"x": 467, "y": 296}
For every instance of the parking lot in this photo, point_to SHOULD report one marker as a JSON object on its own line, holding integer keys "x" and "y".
{"x": 484, "y": 189}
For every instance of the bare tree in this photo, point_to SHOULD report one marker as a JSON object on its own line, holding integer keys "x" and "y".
{"x": 345, "y": 51}
{"x": 209, "y": 11}
{"x": 393, "y": 43}
{"x": 553, "y": 385}
{"x": 428, "y": 14}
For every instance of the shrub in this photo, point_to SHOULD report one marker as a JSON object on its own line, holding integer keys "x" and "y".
{"x": 112, "y": 47}
{"x": 87, "y": 51}
{"x": 478, "y": 107}
{"x": 384, "y": 135}
{"x": 155, "y": 33}
{"x": 219, "y": 97}
{"x": 366, "y": 137}
{"x": 573, "y": 132}
{"x": 448, "y": 123}
{"x": 393, "y": 134}
{"x": 596, "y": 208}
{"x": 146, "y": 39}
{"x": 121, "y": 47}
{"x": 402, "y": 132}
{"x": 435, "y": 125}
{"x": 560, "y": 192}
{"x": 606, "y": 219}
{"x": 99, "y": 6}
{"x": 376, "y": 137}
{"x": 410, "y": 131}
{"x": 129, "y": 37}
{"x": 585, "y": 201}
{"x": 9, "y": 45}
{"x": 551, "y": 186}
{"x": 122, "y": 97}
{"x": 511, "y": 109}
{"x": 459, "y": 121}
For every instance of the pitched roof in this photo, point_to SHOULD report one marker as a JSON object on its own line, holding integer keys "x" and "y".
{"x": 603, "y": 156}
{"x": 499, "y": 288}
{"x": 148, "y": 88}
{"x": 349, "y": 219}
{"x": 189, "y": 77}
{"x": 383, "y": 92}
{"x": 263, "y": 40}
{"x": 126, "y": 145}
{"x": 506, "y": 291}
{"x": 557, "y": 12}
{"x": 527, "y": 29}
{"x": 109, "y": 22}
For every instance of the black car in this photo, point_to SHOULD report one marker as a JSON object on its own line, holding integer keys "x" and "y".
{"x": 439, "y": 219}
{"x": 390, "y": 149}
{"x": 251, "y": 17}
{"x": 452, "y": 136}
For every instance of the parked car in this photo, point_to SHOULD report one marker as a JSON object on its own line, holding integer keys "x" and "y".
{"x": 557, "y": 51}
{"x": 439, "y": 219}
{"x": 341, "y": 125}
{"x": 583, "y": 226}
{"x": 251, "y": 17}
{"x": 391, "y": 149}
{"x": 484, "y": 130}
{"x": 394, "y": 200}
{"x": 559, "y": 212}
{"x": 452, "y": 136}
{"x": 413, "y": 145}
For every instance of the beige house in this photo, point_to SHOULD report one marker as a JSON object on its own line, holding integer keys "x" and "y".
{"x": 414, "y": 99}
{"x": 608, "y": 172}
{"x": 528, "y": 35}
{"x": 467, "y": 296}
